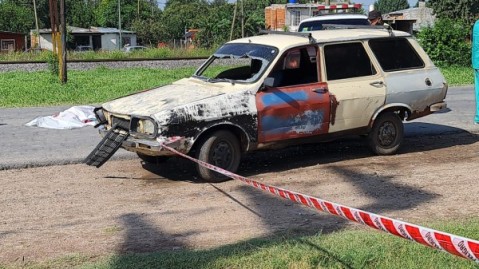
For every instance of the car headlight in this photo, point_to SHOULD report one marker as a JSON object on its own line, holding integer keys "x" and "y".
{"x": 143, "y": 127}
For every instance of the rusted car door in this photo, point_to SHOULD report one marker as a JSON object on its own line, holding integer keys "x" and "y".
{"x": 296, "y": 105}
{"x": 293, "y": 112}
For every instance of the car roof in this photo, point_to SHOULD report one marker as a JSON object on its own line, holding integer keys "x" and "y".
{"x": 335, "y": 17}
{"x": 284, "y": 40}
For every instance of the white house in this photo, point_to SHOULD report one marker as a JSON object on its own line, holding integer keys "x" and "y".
{"x": 99, "y": 38}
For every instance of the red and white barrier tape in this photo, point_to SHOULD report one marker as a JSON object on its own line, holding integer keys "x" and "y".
{"x": 457, "y": 245}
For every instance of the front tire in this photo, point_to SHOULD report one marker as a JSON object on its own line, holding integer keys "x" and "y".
{"x": 221, "y": 149}
{"x": 387, "y": 134}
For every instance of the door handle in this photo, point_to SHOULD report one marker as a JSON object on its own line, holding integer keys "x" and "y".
{"x": 377, "y": 84}
{"x": 320, "y": 90}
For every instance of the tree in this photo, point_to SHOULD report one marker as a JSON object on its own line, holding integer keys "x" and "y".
{"x": 466, "y": 10}
{"x": 445, "y": 42}
{"x": 16, "y": 17}
{"x": 80, "y": 13}
{"x": 386, "y": 6}
{"x": 107, "y": 12}
{"x": 180, "y": 15}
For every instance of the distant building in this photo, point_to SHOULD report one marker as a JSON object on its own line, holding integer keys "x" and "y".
{"x": 412, "y": 19}
{"x": 98, "y": 38}
{"x": 10, "y": 41}
{"x": 280, "y": 17}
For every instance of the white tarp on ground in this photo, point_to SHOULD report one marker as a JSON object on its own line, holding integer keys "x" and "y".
{"x": 74, "y": 117}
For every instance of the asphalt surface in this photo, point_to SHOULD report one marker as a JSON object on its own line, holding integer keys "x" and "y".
{"x": 23, "y": 146}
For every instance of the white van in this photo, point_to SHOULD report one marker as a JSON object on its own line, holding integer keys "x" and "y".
{"x": 318, "y": 22}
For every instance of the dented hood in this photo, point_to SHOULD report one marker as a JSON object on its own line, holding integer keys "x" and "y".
{"x": 167, "y": 97}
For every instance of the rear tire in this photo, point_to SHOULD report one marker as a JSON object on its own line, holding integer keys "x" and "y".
{"x": 221, "y": 149}
{"x": 387, "y": 134}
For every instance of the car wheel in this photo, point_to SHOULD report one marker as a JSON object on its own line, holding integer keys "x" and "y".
{"x": 221, "y": 149}
{"x": 387, "y": 134}
{"x": 152, "y": 159}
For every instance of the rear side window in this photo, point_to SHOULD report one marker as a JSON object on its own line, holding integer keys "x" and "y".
{"x": 395, "y": 54}
{"x": 347, "y": 60}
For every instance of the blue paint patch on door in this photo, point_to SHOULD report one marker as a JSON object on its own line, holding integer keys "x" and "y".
{"x": 309, "y": 121}
{"x": 279, "y": 98}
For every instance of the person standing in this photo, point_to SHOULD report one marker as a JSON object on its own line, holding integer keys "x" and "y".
{"x": 375, "y": 18}
{"x": 475, "y": 66}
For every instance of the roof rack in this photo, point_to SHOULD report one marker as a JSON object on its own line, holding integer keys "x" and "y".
{"x": 300, "y": 34}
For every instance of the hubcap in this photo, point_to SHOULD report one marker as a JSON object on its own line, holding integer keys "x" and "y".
{"x": 222, "y": 155}
{"x": 387, "y": 134}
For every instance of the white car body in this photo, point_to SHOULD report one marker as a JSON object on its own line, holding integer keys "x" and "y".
{"x": 348, "y": 83}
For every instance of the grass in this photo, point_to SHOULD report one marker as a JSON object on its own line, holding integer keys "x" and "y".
{"x": 23, "y": 89}
{"x": 26, "y": 89}
{"x": 458, "y": 75}
{"x": 349, "y": 248}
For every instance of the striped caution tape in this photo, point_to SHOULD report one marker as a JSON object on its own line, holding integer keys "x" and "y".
{"x": 457, "y": 245}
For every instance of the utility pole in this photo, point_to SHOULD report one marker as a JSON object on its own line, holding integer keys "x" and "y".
{"x": 37, "y": 36}
{"x": 63, "y": 47}
{"x": 119, "y": 24}
{"x": 242, "y": 18}
{"x": 234, "y": 18}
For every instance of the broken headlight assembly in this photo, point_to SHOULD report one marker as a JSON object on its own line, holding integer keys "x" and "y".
{"x": 100, "y": 116}
{"x": 143, "y": 127}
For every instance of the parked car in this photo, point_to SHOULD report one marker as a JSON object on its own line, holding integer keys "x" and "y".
{"x": 83, "y": 48}
{"x": 279, "y": 89}
{"x": 133, "y": 48}
{"x": 320, "y": 22}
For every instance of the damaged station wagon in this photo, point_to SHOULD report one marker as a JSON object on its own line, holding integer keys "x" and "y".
{"x": 279, "y": 89}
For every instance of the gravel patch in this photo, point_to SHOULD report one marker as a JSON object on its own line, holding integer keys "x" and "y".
{"x": 165, "y": 64}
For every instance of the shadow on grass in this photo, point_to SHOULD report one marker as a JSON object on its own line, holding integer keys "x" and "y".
{"x": 179, "y": 255}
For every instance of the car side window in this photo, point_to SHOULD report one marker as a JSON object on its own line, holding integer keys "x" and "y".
{"x": 296, "y": 66}
{"x": 347, "y": 60}
{"x": 395, "y": 54}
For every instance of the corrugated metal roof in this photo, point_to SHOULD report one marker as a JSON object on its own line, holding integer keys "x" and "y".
{"x": 91, "y": 30}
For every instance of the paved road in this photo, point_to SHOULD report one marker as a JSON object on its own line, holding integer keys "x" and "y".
{"x": 23, "y": 146}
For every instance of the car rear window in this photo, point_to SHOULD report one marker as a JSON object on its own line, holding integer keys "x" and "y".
{"x": 347, "y": 60}
{"x": 394, "y": 54}
{"x": 318, "y": 25}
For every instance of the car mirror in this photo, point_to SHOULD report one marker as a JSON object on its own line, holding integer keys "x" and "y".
{"x": 268, "y": 82}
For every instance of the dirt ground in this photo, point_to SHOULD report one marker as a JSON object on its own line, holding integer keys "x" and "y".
{"x": 126, "y": 206}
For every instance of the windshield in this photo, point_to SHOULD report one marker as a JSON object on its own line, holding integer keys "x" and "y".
{"x": 243, "y": 63}
{"x": 318, "y": 25}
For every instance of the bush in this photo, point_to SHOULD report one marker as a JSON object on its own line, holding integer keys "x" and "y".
{"x": 446, "y": 43}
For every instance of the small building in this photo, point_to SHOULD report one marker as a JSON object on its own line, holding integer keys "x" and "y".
{"x": 98, "y": 38}
{"x": 286, "y": 17}
{"x": 411, "y": 20}
{"x": 10, "y": 41}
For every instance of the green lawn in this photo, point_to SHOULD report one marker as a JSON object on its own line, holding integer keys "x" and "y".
{"x": 23, "y": 89}
{"x": 357, "y": 247}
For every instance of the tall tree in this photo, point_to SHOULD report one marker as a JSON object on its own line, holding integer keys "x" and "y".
{"x": 107, "y": 12}
{"x": 386, "y": 6}
{"x": 16, "y": 17}
{"x": 467, "y": 10}
{"x": 80, "y": 13}
{"x": 179, "y": 15}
